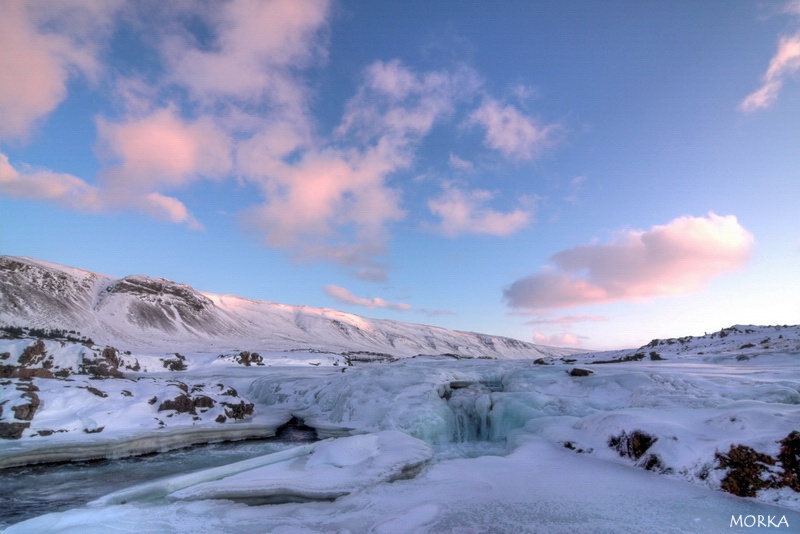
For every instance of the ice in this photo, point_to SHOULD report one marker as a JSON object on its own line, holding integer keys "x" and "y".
{"x": 435, "y": 444}
{"x": 332, "y": 469}
{"x": 538, "y": 488}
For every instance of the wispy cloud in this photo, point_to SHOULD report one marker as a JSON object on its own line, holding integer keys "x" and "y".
{"x": 346, "y": 297}
{"x": 64, "y": 189}
{"x": 73, "y": 193}
{"x": 785, "y": 63}
{"x": 465, "y": 212}
{"x": 567, "y": 320}
{"x": 460, "y": 164}
{"x": 558, "y": 340}
{"x": 434, "y": 313}
{"x": 511, "y": 132}
{"x": 675, "y": 258}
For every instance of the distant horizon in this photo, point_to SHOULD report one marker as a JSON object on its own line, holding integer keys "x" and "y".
{"x": 338, "y": 310}
{"x": 578, "y": 175}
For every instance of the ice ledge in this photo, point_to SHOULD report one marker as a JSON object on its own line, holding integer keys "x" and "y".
{"x": 19, "y": 454}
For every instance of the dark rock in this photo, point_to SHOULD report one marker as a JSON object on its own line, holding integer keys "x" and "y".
{"x": 247, "y": 358}
{"x": 789, "y": 457}
{"x": 25, "y": 412}
{"x": 176, "y": 364}
{"x": 95, "y": 431}
{"x": 580, "y": 372}
{"x": 33, "y": 354}
{"x": 221, "y": 418}
{"x": 5, "y": 355}
{"x": 201, "y": 401}
{"x": 111, "y": 355}
{"x": 238, "y": 411}
{"x": 12, "y": 430}
{"x": 746, "y": 470}
{"x": 126, "y": 393}
{"x": 96, "y": 391}
{"x": 152, "y": 400}
{"x": 24, "y": 373}
{"x": 632, "y": 445}
{"x": 181, "y": 404}
{"x": 654, "y": 356}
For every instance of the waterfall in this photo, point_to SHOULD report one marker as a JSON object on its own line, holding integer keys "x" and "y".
{"x": 471, "y": 407}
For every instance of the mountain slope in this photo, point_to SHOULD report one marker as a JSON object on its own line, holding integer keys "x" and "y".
{"x": 142, "y": 313}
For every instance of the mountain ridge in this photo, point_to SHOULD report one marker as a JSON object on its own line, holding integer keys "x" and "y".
{"x": 145, "y": 313}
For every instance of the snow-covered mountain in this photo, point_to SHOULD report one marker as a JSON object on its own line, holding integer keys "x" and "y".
{"x": 154, "y": 314}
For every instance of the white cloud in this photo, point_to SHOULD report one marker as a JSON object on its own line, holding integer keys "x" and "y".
{"x": 675, "y": 258}
{"x": 785, "y": 63}
{"x": 460, "y": 164}
{"x": 511, "y": 132}
{"x": 464, "y": 212}
{"x": 346, "y": 297}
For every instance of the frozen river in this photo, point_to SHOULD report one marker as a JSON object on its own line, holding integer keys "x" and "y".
{"x": 40, "y": 489}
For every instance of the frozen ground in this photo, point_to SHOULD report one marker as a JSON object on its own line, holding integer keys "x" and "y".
{"x": 443, "y": 445}
{"x": 420, "y": 429}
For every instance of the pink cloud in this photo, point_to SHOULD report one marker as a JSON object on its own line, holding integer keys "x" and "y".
{"x": 308, "y": 200}
{"x": 73, "y": 193}
{"x": 783, "y": 64}
{"x": 256, "y": 42}
{"x": 558, "y": 340}
{"x": 37, "y": 57}
{"x": 346, "y": 297}
{"x": 511, "y": 132}
{"x": 163, "y": 149}
{"x": 166, "y": 208}
{"x": 463, "y": 212}
{"x": 64, "y": 189}
{"x": 567, "y": 319}
{"x": 675, "y": 258}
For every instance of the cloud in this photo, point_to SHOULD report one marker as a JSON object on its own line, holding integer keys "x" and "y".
{"x": 73, "y": 193}
{"x": 359, "y": 257}
{"x": 675, "y": 258}
{"x": 509, "y": 131}
{"x": 162, "y": 149}
{"x": 166, "y": 208}
{"x": 575, "y": 187}
{"x": 463, "y": 212}
{"x": 332, "y": 194}
{"x": 63, "y": 189}
{"x": 558, "y": 340}
{"x": 434, "y": 313}
{"x": 345, "y": 297}
{"x": 460, "y": 164}
{"x": 255, "y": 47}
{"x": 567, "y": 319}
{"x": 783, "y": 64}
{"x": 308, "y": 200}
{"x": 39, "y": 53}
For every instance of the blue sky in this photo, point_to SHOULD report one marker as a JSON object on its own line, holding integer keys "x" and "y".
{"x": 575, "y": 173}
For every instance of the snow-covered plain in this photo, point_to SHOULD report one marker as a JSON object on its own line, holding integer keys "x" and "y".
{"x": 644, "y": 440}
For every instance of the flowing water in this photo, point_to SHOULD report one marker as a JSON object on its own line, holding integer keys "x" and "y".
{"x": 40, "y": 489}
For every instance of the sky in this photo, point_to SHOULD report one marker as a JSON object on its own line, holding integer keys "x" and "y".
{"x": 583, "y": 174}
